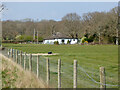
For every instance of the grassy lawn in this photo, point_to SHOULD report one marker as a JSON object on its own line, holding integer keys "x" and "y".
{"x": 89, "y": 57}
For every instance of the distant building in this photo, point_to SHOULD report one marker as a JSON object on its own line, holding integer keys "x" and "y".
{"x": 62, "y": 39}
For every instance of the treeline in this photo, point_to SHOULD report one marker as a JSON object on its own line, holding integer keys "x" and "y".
{"x": 96, "y": 27}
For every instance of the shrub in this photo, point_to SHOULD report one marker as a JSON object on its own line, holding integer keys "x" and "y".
{"x": 68, "y": 42}
{"x": 112, "y": 40}
{"x": 83, "y": 40}
{"x": 40, "y": 39}
{"x": 28, "y": 38}
{"x": 86, "y": 42}
{"x": 56, "y": 42}
{"x": 63, "y": 41}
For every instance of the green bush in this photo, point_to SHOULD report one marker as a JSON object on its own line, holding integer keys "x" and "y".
{"x": 83, "y": 40}
{"x": 20, "y": 37}
{"x": 27, "y": 38}
{"x": 68, "y": 42}
{"x": 90, "y": 39}
{"x": 112, "y": 40}
{"x": 63, "y": 41}
{"x": 56, "y": 42}
{"x": 40, "y": 39}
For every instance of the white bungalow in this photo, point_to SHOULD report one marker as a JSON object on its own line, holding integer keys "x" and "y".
{"x": 60, "y": 38}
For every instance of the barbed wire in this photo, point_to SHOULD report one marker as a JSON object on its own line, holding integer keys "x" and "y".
{"x": 94, "y": 79}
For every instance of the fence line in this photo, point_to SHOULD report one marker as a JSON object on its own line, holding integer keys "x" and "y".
{"x": 48, "y": 71}
{"x": 25, "y": 60}
{"x": 59, "y": 73}
{"x": 102, "y": 82}
{"x": 37, "y": 66}
{"x": 20, "y": 57}
{"x": 75, "y": 74}
{"x": 17, "y": 56}
{"x": 30, "y": 62}
{"x": 8, "y": 53}
{"x": 102, "y": 78}
{"x": 11, "y": 53}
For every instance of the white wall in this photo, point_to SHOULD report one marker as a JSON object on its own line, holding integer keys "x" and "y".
{"x": 73, "y": 41}
{"x": 48, "y": 41}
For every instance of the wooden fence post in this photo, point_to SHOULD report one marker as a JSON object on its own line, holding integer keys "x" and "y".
{"x": 59, "y": 73}
{"x": 30, "y": 62}
{"x": 48, "y": 71}
{"x": 16, "y": 56}
{"x": 75, "y": 74}
{"x": 37, "y": 66}
{"x": 11, "y": 53}
{"x": 24, "y": 60}
{"x": 20, "y": 57}
{"x": 8, "y": 53}
{"x": 14, "y": 53}
{"x": 102, "y": 78}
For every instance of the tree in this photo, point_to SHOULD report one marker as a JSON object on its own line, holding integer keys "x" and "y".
{"x": 96, "y": 26}
{"x": 103, "y": 24}
{"x": 2, "y": 7}
{"x": 72, "y": 22}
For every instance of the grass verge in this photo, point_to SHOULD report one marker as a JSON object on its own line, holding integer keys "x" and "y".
{"x": 13, "y": 76}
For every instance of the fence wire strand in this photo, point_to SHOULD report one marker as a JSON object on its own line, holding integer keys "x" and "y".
{"x": 94, "y": 79}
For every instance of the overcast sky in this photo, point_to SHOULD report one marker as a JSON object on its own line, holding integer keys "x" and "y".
{"x": 52, "y": 10}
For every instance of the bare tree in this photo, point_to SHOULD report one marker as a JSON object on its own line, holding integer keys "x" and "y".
{"x": 72, "y": 22}
{"x": 2, "y": 7}
{"x": 99, "y": 26}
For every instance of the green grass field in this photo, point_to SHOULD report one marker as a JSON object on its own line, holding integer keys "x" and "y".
{"x": 89, "y": 57}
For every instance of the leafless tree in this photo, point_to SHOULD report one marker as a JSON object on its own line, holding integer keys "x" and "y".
{"x": 99, "y": 26}
{"x": 2, "y": 7}
{"x": 72, "y": 22}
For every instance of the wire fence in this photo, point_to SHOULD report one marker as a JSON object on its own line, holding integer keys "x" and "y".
{"x": 38, "y": 65}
